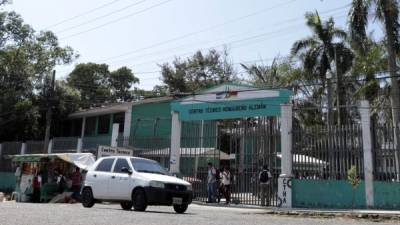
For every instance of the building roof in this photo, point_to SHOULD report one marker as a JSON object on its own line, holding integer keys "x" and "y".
{"x": 114, "y": 108}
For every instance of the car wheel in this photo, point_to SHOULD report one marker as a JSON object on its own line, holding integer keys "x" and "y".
{"x": 139, "y": 200}
{"x": 87, "y": 198}
{"x": 180, "y": 208}
{"x": 126, "y": 205}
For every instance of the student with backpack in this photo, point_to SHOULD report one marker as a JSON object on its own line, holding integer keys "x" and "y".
{"x": 265, "y": 179}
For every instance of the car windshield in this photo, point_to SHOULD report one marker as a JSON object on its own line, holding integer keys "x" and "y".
{"x": 147, "y": 166}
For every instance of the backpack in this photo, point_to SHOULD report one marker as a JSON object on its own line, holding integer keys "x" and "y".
{"x": 264, "y": 176}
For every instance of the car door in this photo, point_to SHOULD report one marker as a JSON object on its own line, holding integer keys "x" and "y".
{"x": 101, "y": 178}
{"x": 121, "y": 185}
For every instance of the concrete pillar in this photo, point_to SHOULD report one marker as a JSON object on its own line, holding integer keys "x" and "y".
{"x": 114, "y": 135}
{"x": 367, "y": 149}
{"x": 127, "y": 126}
{"x": 175, "y": 144}
{"x": 196, "y": 159}
{"x": 50, "y": 146}
{"x": 83, "y": 127}
{"x": 23, "y": 148}
{"x": 79, "y": 145}
{"x": 286, "y": 139}
{"x": 284, "y": 180}
{"x": 1, "y": 148}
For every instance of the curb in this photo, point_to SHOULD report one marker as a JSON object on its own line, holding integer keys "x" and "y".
{"x": 372, "y": 216}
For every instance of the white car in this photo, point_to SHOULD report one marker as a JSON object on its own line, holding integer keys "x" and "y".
{"x": 134, "y": 182}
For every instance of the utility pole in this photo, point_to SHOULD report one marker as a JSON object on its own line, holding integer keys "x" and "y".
{"x": 50, "y": 96}
{"x": 338, "y": 88}
{"x": 330, "y": 106}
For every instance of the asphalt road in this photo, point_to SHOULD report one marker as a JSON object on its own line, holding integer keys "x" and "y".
{"x": 60, "y": 214}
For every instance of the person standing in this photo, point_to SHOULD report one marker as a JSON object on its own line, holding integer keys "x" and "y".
{"x": 265, "y": 180}
{"x": 211, "y": 182}
{"x": 18, "y": 174}
{"x": 226, "y": 181}
{"x": 36, "y": 188}
{"x": 61, "y": 182}
{"x": 219, "y": 185}
{"x": 76, "y": 183}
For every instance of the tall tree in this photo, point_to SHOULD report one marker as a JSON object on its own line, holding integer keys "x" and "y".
{"x": 121, "y": 80}
{"x": 369, "y": 62}
{"x": 198, "y": 72}
{"x": 325, "y": 47}
{"x": 92, "y": 80}
{"x": 387, "y": 13}
{"x": 26, "y": 58}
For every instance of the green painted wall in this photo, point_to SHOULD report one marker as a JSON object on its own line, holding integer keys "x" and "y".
{"x": 95, "y": 132}
{"x": 326, "y": 194}
{"x": 387, "y": 195}
{"x": 191, "y": 134}
{"x": 7, "y": 181}
{"x": 147, "y": 114}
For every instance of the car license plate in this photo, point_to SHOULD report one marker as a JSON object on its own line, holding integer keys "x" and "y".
{"x": 177, "y": 201}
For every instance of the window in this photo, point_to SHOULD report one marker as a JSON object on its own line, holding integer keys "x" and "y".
{"x": 147, "y": 166}
{"x": 90, "y": 126}
{"x": 105, "y": 165}
{"x": 120, "y": 118}
{"x": 104, "y": 124}
{"x": 121, "y": 163}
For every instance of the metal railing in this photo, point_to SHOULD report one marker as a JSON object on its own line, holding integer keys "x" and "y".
{"x": 11, "y": 148}
{"x": 92, "y": 143}
{"x": 385, "y": 154}
{"x": 8, "y": 148}
{"x": 33, "y": 147}
{"x": 155, "y": 148}
{"x": 64, "y": 144}
{"x": 327, "y": 152}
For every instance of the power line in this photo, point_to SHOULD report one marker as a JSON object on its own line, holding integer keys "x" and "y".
{"x": 213, "y": 27}
{"x": 219, "y": 45}
{"x": 101, "y": 17}
{"x": 117, "y": 20}
{"x": 81, "y": 14}
{"x": 215, "y": 46}
{"x": 199, "y": 31}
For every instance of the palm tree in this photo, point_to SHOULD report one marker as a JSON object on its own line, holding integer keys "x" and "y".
{"x": 318, "y": 52}
{"x": 386, "y": 12}
{"x": 263, "y": 75}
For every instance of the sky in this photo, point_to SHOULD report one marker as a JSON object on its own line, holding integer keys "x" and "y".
{"x": 142, "y": 34}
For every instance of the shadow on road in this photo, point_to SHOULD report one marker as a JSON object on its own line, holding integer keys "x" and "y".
{"x": 149, "y": 211}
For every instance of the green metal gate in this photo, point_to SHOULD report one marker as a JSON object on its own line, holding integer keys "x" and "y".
{"x": 241, "y": 145}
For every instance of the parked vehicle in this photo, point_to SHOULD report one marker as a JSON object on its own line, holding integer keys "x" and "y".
{"x": 136, "y": 182}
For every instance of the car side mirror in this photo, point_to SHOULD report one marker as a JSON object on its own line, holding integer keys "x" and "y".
{"x": 126, "y": 170}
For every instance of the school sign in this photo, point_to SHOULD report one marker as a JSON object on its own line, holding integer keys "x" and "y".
{"x": 231, "y": 101}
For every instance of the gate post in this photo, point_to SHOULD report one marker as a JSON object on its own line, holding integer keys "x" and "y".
{"x": 50, "y": 146}
{"x": 367, "y": 150}
{"x": 284, "y": 180}
{"x": 114, "y": 135}
{"x": 127, "y": 126}
{"x": 175, "y": 144}
{"x": 23, "y": 148}
{"x": 79, "y": 145}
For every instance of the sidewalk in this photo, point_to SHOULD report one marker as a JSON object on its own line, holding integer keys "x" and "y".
{"x": 370, "y": 214}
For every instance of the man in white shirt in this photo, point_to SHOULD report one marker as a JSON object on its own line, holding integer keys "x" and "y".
{"x": 226, "y": 181}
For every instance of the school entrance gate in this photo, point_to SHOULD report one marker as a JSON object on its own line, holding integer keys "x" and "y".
{"x": 231, "y": 126}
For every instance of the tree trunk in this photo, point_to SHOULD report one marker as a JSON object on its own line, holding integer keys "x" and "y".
{"x": 394, "y": 90}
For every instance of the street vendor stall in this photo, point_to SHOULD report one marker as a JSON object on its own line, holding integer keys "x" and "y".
{"x": 51, "y": 168}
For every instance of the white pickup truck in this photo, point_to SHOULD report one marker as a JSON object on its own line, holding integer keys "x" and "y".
{"x": 136, "y": 182}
